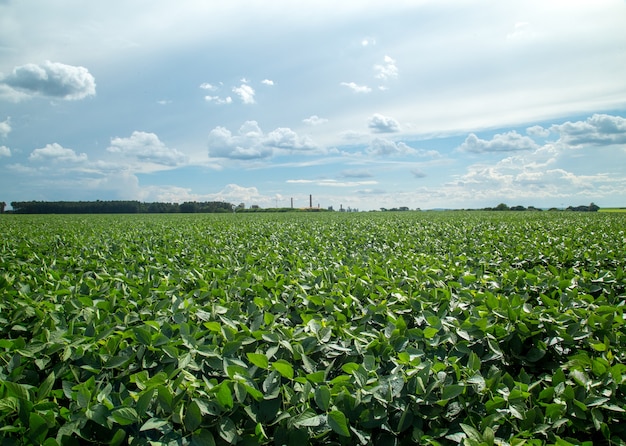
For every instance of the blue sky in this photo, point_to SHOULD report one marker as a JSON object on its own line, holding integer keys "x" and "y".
{"x": 368, "y": 104}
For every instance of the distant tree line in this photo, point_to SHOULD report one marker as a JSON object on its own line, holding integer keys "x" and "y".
{"x": 503, "y": 207}
{"x": 117, "y": 207}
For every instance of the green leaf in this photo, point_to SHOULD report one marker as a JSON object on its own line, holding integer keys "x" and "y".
{"x": 430, "y": 332}
{"x": 45, "y": 387}
{"x": 322, "y": 397}
{"x": 154, "y": 423}
{"x": 224, "y": 396}
{"x": 202, "y": 438}
{"x": 338, "y": 423}
{"x": 258, "y": 359}
{"x": 452, "y": 391}
{"x": 228, "y": 430}
{"x": 37, "y": 428}
{"x": 284, "y": 368}
{"x": 308, "y": 418}
{"x": 193, "y": 417}
{"x": 125, "y": 416}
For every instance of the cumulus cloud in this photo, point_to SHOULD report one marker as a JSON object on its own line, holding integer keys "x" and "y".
{"x": 383, "y": 124}
{"x": 235, "y": 193}
{"x": 267, "y": 82}
{"x": 245, "y": 92}
{"x": 252, "y": 143}
{"x": 538, "y": 131}
{"x": 387, "y": 70}
{"x": 56, "y": 153}
{"x": 501, "y": 142}
{"x": 599, "y": 129}
{"x": 5, "y": 151}
{"x": 357, "y": 88}
{"x": 285, "y": 138}
{"x": 5, "y": 127}
{"x": 314, "y": 120}
{"x": 147, "y": 147}
{"x": 387, "y": 147}
{"x": 51, "y": 79}
{"x": 207, "y": 86}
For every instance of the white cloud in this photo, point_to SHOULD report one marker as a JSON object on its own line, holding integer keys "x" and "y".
{"x": 383, "y": 124}
{"x": 333, "y": 183}
{"x": 219, "y": 100}
{"x": 504, "y": 142}
{"x": 146, "y": 147}
{"x": 56, "y": 153}
{"x": 267, "y": 82}
{"x": 252, "y": 143}
{"x": 234, "y": 193}
{"x": 538, "y": 131}
{"x": 368, "y": 41}
{"x": 599, "y": 129}
{"x": 5, "y": 151}
{"x": 285, "y": 138}
{"x": 245, "y": 92}
{"x": 52, "y": 79}
{"x": 5, "y": 127}
{"x": 357, "y": 88}
{"x": 386, "y": 71}
{"x": 314, "y": 120}
{"x": 207, "y": 86}
{"x": 386, "y": 147}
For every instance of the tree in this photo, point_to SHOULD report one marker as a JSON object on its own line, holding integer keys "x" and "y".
{"x": 501, "y": 207}
{"x": 2, "y": 206}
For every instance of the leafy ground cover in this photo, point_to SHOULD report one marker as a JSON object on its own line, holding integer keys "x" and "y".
{"x": 391, "y": 329}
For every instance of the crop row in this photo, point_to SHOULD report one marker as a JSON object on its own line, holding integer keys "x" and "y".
{"x": 408, "y": 328}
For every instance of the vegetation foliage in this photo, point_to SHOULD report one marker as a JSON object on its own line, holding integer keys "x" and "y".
{"x": 382, "y": 328}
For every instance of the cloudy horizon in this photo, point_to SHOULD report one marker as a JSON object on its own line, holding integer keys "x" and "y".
{"x": 423, "y": 104}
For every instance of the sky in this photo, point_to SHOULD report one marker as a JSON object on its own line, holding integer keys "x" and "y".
{"x": 359, "y": 104}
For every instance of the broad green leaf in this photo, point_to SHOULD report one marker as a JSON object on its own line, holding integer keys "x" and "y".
{"x": 451, "y": 391}
{"x": 308, "y": 418}
{"x": 224, "y": 396}
{"x": 430, "y": 332}
{"x": 258, "y": 359}
{"x": 338, "y": 423}
{"x": 202, "y": 438}
{"x": 322, "y": 397}
{"x": 125, "y": 416}
{"x": 154, "y": 423}
{"x": 284, "y": 368}
{"x": 228, "y": 430}
{"x": 37, "y": 428}
{"x": 193, "y": 417}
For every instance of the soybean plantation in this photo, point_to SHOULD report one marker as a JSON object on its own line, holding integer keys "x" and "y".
{"x": 474, "y": 328}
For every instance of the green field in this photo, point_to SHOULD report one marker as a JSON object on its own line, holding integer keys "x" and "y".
{"x": 368, "y": 328}
{"x": 612, "y": 210}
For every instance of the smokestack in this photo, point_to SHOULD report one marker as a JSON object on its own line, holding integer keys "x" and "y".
{"x": 311, "y": 201}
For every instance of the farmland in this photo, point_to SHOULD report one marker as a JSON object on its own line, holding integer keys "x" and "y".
{"x": 379, "y": 328}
